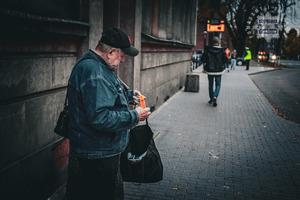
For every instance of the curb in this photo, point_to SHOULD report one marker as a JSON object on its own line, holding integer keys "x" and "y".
{"x": 259, "y": 72}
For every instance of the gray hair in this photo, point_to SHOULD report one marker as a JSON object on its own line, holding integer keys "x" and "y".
{"x": 104, "y": 47}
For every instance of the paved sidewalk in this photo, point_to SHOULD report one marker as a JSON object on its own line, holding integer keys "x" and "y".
{"x": 240, "y": 149}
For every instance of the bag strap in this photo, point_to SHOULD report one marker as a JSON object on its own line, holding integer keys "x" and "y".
{"x": 66, "y": 100}
{"x": 82, "y": 59}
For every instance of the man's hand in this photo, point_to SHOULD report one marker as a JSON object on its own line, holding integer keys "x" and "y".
{"x": 144, "y": 113}
{"x": 136, "y": 95}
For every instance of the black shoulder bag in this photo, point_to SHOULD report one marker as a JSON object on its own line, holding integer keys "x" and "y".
{"x": 62, "y": 124}
{"x": 141, "y": 162}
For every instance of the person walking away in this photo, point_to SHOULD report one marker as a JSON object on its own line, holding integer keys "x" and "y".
{"x": 100, "y": 119}
{"x": 247, "y": 57}
{"x": 233, "y": 60}
{"x": 214, "y": 60}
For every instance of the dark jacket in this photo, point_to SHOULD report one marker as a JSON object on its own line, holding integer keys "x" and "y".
{"x": 100, "y": 117}
{"x": 214, "y": 59}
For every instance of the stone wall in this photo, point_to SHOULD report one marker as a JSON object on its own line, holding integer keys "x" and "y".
{"x": 162, "y": 74}
{"x": 40, "y": 43}
{"x": 168, "y": 35}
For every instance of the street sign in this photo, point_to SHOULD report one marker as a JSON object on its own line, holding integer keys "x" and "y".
{"x": 215, "y": 25}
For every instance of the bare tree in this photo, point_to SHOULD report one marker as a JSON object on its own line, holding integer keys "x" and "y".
{"x": 241, "y": 17}
{"x": 284, "y": 6}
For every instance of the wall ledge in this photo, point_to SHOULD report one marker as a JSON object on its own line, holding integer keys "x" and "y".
{"x": 15, "y": 20}
{"x": 151, "y": 39}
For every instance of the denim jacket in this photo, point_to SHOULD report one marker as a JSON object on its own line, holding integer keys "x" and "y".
{"x": 100, "y": 118}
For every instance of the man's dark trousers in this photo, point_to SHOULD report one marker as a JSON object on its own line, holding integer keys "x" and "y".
{"x": 94, "y": 179}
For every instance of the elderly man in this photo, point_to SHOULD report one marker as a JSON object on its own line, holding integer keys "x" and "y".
{"x": 100, "y": 119}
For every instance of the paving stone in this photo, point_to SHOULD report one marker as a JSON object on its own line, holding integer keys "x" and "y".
{"x": 240, "y": 149}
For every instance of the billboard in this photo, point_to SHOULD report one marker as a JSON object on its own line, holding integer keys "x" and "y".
{"x": 215, "y": 25}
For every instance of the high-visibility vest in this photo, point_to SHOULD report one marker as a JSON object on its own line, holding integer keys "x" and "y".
{"x": 248, "y": 56}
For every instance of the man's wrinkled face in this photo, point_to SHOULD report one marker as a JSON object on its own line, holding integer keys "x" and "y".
{"x": 115, "y": 57}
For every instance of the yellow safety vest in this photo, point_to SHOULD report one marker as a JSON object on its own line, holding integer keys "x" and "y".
{"x": 248, "y": 56}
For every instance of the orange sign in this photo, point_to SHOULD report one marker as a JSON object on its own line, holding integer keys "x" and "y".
{"x": 215, "y": 25}
{"x": 142, "y": 101}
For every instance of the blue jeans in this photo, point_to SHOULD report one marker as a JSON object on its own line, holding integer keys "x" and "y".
{"x": 233, "y": 64}
{"x": 214, "y": 93}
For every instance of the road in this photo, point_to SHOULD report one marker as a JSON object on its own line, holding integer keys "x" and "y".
{"x": 282, "y": 89}
{"x": 291, "y": 63}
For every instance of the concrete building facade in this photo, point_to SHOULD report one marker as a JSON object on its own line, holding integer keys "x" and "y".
{"x": 39, "y": 45}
